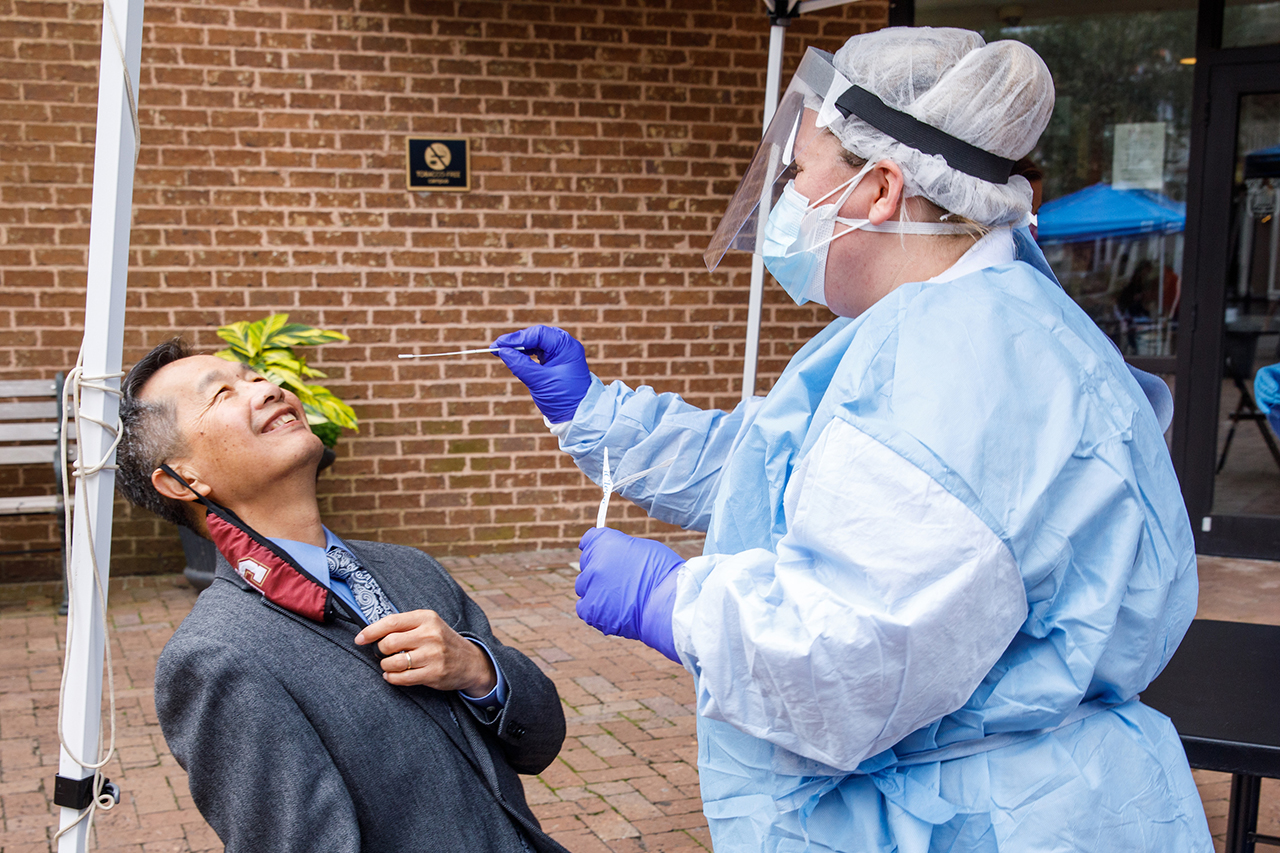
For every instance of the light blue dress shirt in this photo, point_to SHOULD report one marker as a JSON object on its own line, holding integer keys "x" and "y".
{"x": 313, "y": 561}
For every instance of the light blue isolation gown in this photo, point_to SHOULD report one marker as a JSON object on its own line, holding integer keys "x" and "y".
{"x": 943, "y": 556}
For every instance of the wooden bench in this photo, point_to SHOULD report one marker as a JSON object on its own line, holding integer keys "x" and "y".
{"x": 29, "y": 434}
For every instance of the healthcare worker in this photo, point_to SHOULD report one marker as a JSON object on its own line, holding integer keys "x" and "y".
{"x": 947, "y": 550}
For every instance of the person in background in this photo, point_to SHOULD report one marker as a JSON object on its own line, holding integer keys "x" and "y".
{"x": 947, "y": 551}
{"x": 1027, "y": 168}
{"x": 1131, "y": 302}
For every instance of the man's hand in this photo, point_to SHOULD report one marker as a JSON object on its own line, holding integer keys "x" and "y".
{"x": 420, "y": 648}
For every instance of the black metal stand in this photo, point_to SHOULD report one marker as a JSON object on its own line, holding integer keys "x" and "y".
{"x": 1242, "y": 815}
{"x": 1247, "y": 410}
{"x": 1222, "y": 694}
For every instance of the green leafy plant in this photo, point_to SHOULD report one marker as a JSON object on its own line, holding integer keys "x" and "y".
{"x": 267, "y": 345}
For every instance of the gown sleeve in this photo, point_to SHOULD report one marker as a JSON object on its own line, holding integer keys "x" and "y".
{"x": 888, "y": 601}
{"x": 643, "y": 429}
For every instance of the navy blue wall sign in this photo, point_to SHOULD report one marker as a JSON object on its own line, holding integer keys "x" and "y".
{"x": 437, "y": 164}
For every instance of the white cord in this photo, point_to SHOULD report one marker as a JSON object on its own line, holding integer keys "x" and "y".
{"x": 128, "y": 83}
{"x": 75, "y": 381}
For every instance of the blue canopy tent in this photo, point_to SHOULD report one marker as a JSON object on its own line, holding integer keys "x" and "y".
{"x": 1100, "y": 211}
{"x": 1113, "y": 219}
{"x": 1263, "y": 163}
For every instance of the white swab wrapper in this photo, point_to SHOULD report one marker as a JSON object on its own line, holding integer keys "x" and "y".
{"x": 609, "y": 486}
{"x": 606, "y": 483}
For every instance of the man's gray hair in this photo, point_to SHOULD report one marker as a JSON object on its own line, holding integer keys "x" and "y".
{"x": 150, "y": 436}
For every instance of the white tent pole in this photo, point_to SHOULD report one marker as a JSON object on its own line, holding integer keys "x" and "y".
{"x": 773, "y": 80}
{"x": 751, "y": 358}
{"x": 1245, "y": 251}
{"x": 81, "y": 711}
{"x": 1160, "y": 298}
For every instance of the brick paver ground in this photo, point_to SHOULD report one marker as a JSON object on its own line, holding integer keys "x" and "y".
{"x": 625, "y": 781}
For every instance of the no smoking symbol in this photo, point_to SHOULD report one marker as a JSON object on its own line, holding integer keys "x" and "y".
{"x": 437, "y": 156}
{"x": 441, "y": 164}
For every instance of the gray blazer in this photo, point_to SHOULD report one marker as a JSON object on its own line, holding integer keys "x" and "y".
{"x": 292, "y": 740}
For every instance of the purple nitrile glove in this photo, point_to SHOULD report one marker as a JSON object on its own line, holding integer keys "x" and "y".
{"x": 559, "y": 379}
{"x": 628, "y": 587}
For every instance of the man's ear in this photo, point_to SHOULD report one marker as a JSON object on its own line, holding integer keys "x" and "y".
{"x": 171, "y": 488}
{"x": 887, "y": 181}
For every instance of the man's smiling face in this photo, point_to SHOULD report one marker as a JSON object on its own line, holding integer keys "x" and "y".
{"x": 240, "y": 432}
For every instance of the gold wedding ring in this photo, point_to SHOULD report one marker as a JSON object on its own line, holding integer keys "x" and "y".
{"x": 408, "y": 660}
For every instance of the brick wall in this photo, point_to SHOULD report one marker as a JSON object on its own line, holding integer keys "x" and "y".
{"x": 606, "y": 138}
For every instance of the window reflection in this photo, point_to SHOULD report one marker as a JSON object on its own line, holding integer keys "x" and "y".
{"x": 1114, "y": 155}
{"x": 1247, "y": 481}
{"x": 1248, "y": 24}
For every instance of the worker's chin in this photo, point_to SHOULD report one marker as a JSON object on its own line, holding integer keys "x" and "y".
{"x": 199, "y": 520}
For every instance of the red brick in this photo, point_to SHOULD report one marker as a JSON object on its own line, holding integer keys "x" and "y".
{"x": 603, "y": 148}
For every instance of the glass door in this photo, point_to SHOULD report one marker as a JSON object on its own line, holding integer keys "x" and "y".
{"x": 1247, "y": 473}
{"x": 1229, "y": 460}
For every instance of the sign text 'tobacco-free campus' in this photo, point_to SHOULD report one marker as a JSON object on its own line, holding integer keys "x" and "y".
{"x": 437, "y": 164}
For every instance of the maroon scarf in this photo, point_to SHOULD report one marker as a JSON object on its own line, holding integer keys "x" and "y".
{"x": 263, "y": 564}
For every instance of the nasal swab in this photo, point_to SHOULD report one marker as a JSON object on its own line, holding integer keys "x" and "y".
{"x": 455, "y": 352}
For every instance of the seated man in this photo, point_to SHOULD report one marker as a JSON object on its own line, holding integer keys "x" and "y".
{"x": 322, "y": 695}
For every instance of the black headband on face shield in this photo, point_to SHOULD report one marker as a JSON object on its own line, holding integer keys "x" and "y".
{"x": 908, "y": 130}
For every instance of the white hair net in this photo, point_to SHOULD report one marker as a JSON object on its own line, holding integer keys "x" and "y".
{"x": 996, "y": 96}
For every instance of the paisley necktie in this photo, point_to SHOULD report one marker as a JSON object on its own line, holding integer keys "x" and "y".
{"x": 372, "y": 600}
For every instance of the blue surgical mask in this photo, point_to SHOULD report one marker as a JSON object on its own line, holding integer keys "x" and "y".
{"x": 795, "y": 269}
{"x": 798, "y": 234}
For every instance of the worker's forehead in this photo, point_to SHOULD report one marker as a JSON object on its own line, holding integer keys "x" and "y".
{"x": 813, "y": 144}
{"x": 808, "y": 128}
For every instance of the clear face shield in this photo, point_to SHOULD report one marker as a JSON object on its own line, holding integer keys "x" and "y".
{"x": 794, "y": 125}
{"x": 817, "y": 96}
